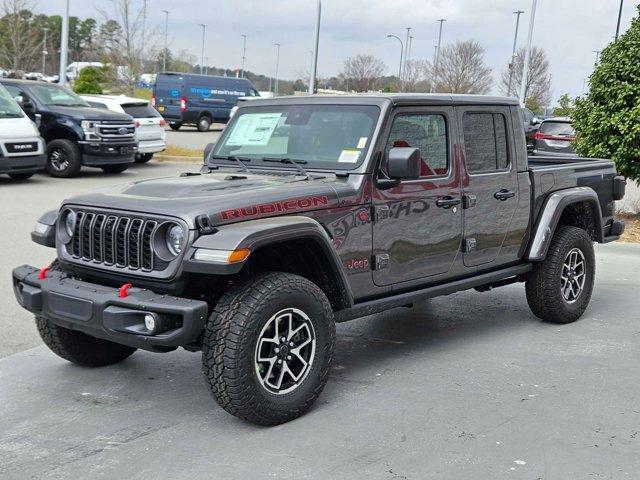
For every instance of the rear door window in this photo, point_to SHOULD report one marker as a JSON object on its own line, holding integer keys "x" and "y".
{"x": 557, "y": 128}
{"x": 485, "y": 142}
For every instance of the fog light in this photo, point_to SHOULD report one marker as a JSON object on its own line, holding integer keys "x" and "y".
{"x": 150, "y": 322}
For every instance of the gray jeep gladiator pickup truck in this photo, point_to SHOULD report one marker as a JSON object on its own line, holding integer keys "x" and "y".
{"x": 311, "y": 211}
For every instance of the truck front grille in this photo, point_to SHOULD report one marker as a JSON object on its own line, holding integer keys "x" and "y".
{"x": 115, "y": 130}
{"x": 115, "y": 240}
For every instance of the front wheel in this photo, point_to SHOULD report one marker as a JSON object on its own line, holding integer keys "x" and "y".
{"x": 119, "y": 168}
{"x": 204, "y": 124}
{"x": 64, "y": 158}
{"x": 175, "y": 126}
{"x": 268, "y": 347}
{"x": 559, "y": 288}
{"x": 80, "y": 348}
{"x": 143, "y": 157}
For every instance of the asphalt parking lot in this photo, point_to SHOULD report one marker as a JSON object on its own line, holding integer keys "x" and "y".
{"x": 190, "y": 137}
{"x": 460, "y": 387}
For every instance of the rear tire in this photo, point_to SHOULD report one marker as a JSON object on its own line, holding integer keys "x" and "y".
{"x": 80, "y": 348}
{"x": 143, "y": 157}
{"x": 175, "y": 126}
{"x": 20, "y": 176}
{"x": 64, "y": 158}
{"x": 559, "y": 288}
{"x": 204, "y": 124}
{"x": 248, "y": 323}
{"x": 119, "y": 168}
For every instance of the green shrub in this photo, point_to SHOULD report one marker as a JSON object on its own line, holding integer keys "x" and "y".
{"x": 607, "y": 119}
{"x": 89, "y": 81}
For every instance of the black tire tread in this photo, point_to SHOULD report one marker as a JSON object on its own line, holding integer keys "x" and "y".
{"x": 80, "y": 348}
{"x": 75, "y": 158}
{"x": 542, "y": 285}
{"x": 223, "y": 343}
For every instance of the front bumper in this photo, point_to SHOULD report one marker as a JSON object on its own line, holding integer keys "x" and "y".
{"x": 98, "y": 154}
{"x": 22, "y": 164}
{"x": 97, "y": 310}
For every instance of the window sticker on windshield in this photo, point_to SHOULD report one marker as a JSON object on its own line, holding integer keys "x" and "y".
{"x": 349, "y": 156}
{"x": 363, "y": 142}
{"x": 254, "y": 129}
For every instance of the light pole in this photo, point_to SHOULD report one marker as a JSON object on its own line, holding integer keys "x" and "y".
{"x": 206, "y": 71}
{"x": 44, "y": 50}
{"x": 513, "y": 53}
{"x": 314, "y": 66}
{"x": 277, "y": 66}
{"x": 406, "y": 50}
{"x": 204, "y": 27}
{"x": 166, "y": 33}
{"x": 527, "y": 55}
{"x": 409, "y": 45}
{"x": 401, "y": 57}
{"x": 597, "y": 52}
{"x": 244, "y": 54}
{"x": 619, "y": 18}
{"x": 435, "y": 65}
{"x": 64, "y": 45}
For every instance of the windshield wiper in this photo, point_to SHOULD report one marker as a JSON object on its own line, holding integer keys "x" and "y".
{"x": 295, "y": 163}
{"x": 239, "y": 160}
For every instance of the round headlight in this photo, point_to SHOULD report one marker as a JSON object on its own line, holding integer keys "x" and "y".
{"x": 70, "y": 222}
{"x": 175, "y": 239}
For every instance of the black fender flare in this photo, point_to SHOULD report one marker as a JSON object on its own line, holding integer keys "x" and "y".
{"x": 254, "y": 234}
{"x": 550, "y": 215}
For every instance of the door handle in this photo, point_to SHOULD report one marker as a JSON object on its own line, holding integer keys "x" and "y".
{"x": 504, "y": 194}
{"x": 448, "y": 202}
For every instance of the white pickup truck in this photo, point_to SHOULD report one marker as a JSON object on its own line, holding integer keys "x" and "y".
{"x": 21, "y": 148}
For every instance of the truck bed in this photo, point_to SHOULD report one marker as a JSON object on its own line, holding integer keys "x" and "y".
{"x": 552, "y": 173}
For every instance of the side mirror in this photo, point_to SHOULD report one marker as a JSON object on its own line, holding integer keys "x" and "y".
{"x": 403, "y": 163}
{"x": 207, "y": 151}
{"x": 535, "y": 121}
{"x": 28, "y": 107}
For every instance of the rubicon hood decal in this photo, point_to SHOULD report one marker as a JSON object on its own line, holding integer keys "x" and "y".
{"x": 294, "y": 205}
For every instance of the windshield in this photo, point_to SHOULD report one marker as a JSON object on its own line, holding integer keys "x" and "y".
{"x": 55, "y": 95}
{"x": 8, "y": 106}
{"x": 325, "y": 136}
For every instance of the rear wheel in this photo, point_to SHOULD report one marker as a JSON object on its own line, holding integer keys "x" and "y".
{"x": 119, "y": 168}
{"x": 80, "y": 348}
{"x": 268, "y": 347}
{"x": 559, "y": 288}
{"x": 64, "y": 159}
{"x": 20, "y": 176}
{"x": 204, "y": 124}
{"x": 175, "y": 125}
{"x": 143, "y": 157}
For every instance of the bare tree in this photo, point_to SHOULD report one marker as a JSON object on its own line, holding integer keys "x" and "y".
{"x": 462, "y": 69}
{"x": 363, "y": 72}
{"x": 19, "y": 36}
{"x": 127, "y": 45}
{"x": 538, "y": 88}
{"x": 416, "y": 76}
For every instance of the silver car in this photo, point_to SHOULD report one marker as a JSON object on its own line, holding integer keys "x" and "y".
{"x": 555, "y": 136}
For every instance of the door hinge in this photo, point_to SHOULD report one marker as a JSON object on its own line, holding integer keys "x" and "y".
{"x": 469, "y": 245}
{"x": 469, "y": 201}
{"x": 381, "y": 212}
{"x": 380, "y": 261}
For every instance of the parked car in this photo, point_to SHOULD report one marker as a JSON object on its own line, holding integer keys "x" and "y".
{"x": 555, "y": 136}
{"x": 21, "y": 148}
{"x": 310, "y": 211}
{"x": 187, "y": 99}
{"x": 531, "y": 123}
{"x": 76, "y": 134}
{"x": 74, "y": 68}
{"x": 150, "y": 132}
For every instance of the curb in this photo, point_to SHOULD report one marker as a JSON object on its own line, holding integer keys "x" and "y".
{"x": 178, "y": 159}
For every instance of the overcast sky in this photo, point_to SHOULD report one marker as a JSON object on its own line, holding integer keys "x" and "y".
{"x": 569, "y": 30}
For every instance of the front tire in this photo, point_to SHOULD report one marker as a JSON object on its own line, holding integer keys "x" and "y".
{"x": 80, "y": 348}
{"x": 143, "y": 157}
{"x": 175, "y": 126}
{"x": 119, "y": 168}
{"x": 559, "y": 288}
{"x": 268, "y": 347}
{"x": 64, "y": 158}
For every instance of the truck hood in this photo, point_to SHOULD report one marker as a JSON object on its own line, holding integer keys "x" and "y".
{"x": 225, "y": 197}
{"x": 89, "y": 113}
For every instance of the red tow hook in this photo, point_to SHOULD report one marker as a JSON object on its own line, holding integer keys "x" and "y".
{"x": 123, "y": 291}
{"x": 43, "y": 272}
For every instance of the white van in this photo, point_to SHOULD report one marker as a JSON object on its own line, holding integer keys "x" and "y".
{"x": 150, "y": 131}
{"x": 21, "y": 148}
